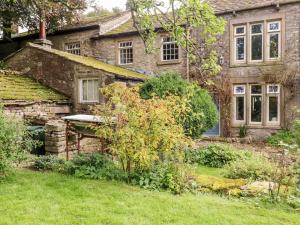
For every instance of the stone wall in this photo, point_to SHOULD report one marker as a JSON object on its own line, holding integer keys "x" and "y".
{"x": 107, "y": 49}
{"x": 37, "y": 112}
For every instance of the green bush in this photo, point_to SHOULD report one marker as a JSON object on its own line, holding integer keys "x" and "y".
{"x": 201, "y": 113}
{"x": 253, "y": 168}
{"x": 214, "y": 155}
{"x": 95, "y": 166}
{"x": 165, "y": 176}
{"x": 49, "y": 162}
{"x": 286, "y": 136}
{"x": 14, "y": 142}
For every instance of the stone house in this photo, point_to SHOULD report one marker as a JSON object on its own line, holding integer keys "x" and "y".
{"x": 259, "y": 52}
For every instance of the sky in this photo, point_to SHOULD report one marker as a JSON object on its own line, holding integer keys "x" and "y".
{"x": 109, "y": 4}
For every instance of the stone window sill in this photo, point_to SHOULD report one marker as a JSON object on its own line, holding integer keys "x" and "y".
{"x": 160, "y": 63}
{"x": 269, "y": 63}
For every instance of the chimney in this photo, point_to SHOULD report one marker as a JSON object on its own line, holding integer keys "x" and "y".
{"x": 42, "y": 36}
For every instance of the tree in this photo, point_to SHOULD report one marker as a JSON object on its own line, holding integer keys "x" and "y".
{"x": 191, "y": 23}
{"x": 29, "y": 13}
{"x": 139, "y": 132}
{"x": 201, "y": 112}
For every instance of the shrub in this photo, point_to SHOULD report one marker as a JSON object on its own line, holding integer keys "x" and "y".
{"x": 94, "y": 166}
{"x": 139, "y": 132}
{"x": 201, "y": 113}
{"x": 253, "y": 168}
{"x": 49, "y": 162}
{"x": 14, "y": 142}
{"x": 243, "y": 131}
{"x": 214, "y": 155}
{"x": 286, "y": 136}
{"x": 166, "y": 176}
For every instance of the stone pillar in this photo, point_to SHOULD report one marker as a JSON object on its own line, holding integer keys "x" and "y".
{"x": 55, "y": 137}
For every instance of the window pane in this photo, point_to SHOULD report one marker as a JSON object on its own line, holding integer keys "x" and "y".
{"x": 256, "y": 89}
{"x": 96, "y": 90}
{"x": 273, "y": 108}
{"x": 90, "y": 90}
{"x": 256, "y": 29}
{"x": 256, "y": 108}
{"x": 274, "y": 26}
{"x": 274, "y": 45}
{"x": 239, "y": 89}
{"x": 84, "y": 90}
{"x": 240, "y": 30}
{"x": 240, "y": 48}
{"x": 273, "y": 89}
{"x": 240, "y": 101}
{"x": 256, "y": 48}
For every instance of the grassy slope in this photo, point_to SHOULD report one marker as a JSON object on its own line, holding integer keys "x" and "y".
{"x": 33, "y": 198}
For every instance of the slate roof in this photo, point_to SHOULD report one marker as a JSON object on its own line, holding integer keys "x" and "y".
{"x": 14, "y": 86}
{"x": 223, "y": 6}
{"x": 94, "y": 63}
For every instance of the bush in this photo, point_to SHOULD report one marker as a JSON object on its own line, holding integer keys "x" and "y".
{"x": 139, "y": 132}
{"x": 94, "y": 166}
{"x": 214, "y": 155}
{"x": 253, "y": 168}
{"x": 49, "y": 162}
{"x": 165, "y": 176}
{"x": 201, "y": 113}
{"x": 14, "y": 142}
{"x": 286, "y": 136}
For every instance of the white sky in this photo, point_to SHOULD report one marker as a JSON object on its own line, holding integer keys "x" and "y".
{"x": 109, "y": 4}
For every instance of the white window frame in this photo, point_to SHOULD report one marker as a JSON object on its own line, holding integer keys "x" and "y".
{"x": 250, "y": 104}
{"x": 81, "y": 100}
{"x": 269, "y": 32}
{"x": 126, "y": 48}
{"x": 236, "y": 37}
{"x": 73, "y": 48}
{"x": 262, "y": 40}
{"x": 273, "y": 94}
{"x": 163, "y": 43}
{"x": 236, "y": 95}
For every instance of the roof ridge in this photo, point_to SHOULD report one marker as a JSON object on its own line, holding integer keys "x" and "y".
{"x": 94, "y": 63}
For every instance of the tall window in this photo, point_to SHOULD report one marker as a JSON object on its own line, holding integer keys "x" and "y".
{"x": 89, "y": 90}
{"x": 256, "y": 104}
{"x": 240, "y": 43}
{"x": 170, "y": 50}
{"x": 274, "y": 43}
{"x": 73, "y": 48}
{"x": 239, "y": 96}
{"x": 273, "y": 104}
{"x": 256, "y": 42}
{"x": 126, "y": 53}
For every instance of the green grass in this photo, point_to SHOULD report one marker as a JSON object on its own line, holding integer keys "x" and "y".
{"x": 34, "y": 198}
{"x": 204, "y": 170}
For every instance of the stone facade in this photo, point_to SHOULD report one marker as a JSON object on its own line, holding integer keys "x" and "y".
{"x": 255, "y": 73}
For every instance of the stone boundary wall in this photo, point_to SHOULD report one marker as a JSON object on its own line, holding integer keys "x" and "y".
{"x": 37, "y": 112}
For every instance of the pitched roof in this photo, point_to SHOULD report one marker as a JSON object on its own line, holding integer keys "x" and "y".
{"x": 94, "y": 63}
{"x": 223, "y": 6}
{"x": 14, "y": 86}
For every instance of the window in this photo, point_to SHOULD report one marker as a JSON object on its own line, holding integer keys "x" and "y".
{"x": 126, "y": 53}
{"x": 256, "y": 104}
{"x": 73, "y": 48}
{"x": 274, "y": 43}
{"x": 240, "y": 43}
{"x": 239, "y": 96}
{"x": 256, "y": 42}
{"x": 89, "y": 90}
{"x": 170, "y": 50}
{"x": 273, "y": 106}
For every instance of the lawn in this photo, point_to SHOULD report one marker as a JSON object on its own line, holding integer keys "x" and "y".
{"x": 34, "y": 198}
{"x": 203, "y": 170}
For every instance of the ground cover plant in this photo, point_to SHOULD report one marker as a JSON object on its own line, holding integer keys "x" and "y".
{"x": 31, "y": 197}
{"x": 200, "y": 112}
